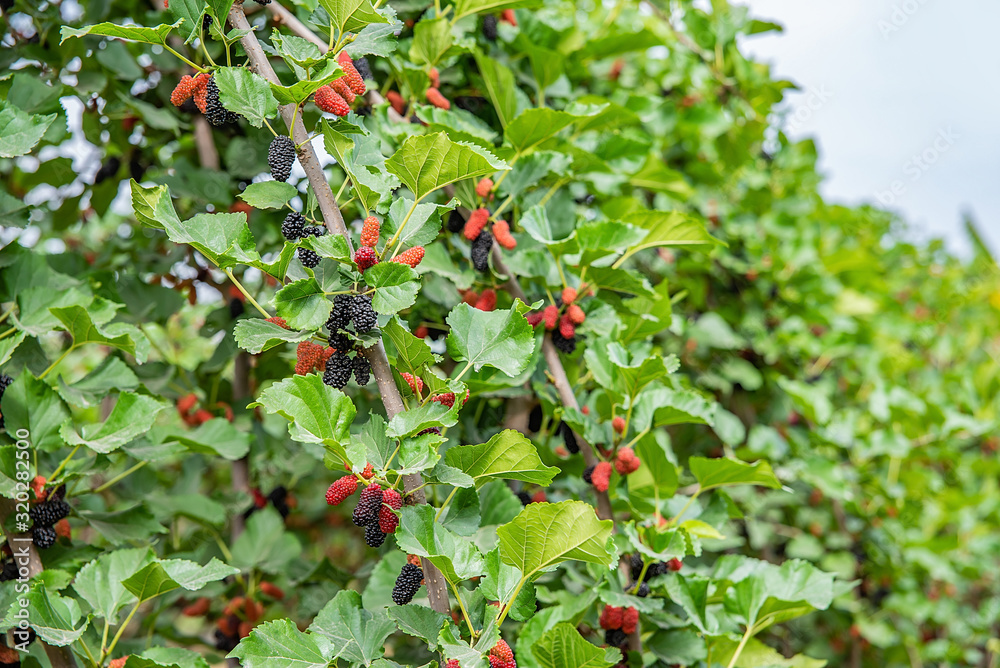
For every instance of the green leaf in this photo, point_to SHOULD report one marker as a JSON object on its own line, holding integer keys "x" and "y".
{"x": 657, "y": 477}
{"x": 354, "y": 634}
{"x": 502, "y": 582}
{"x": 376, "y": 445}
{"x": 300, "y": 90}
{"x": 502, "y": 339}
{"x": 500, "y": 86}
{"x": 466, "y": 7}
{"x": 318, "y": 413}
{"x": 655, "y": 175}
{"x": 621, "y": 375}
{"x": 429, "y": 162}
{"x": 9, "y": 345}
{"x": 681, "y": 646}
{"x": 53, "y": 617}
{"x": 166, "y": 575}
{"x": 431, "y": 40}
{"x": 78, "y": 322}
{"x": 563, "y": 647}
{"x": 279, "y": 643}
{"x": 419, "y": 622}
{"x": 217, "y": 436}
{"x": 431, "y": 414}
{"x": 256, "y": 335}
{"x": 691, "y": 593}
{"x": 100, "y": 582}
{"x": 411, "y": 352}
{"x": 302, "y": 304}
{"x": 223, "y": 238}
{"x": 669, "y": 228}
{"x": 533, "y": 126}
{"x": 351, "y": 15}
{"x": 112, "y": 375}
{"x": 20, "y": 132}
{"x": 247, "y": 94}
{"x": 132, "y": 33}
{"x": 456, "y": 558}
{"x": 31, "y": 405}
{"x": 268, "y": 194}
{"x": 755, "y": 653}
{"x": 122, "y": 526}
{"x": 723, "y": 472}
{"x": 546, "y": 534}
{"x": 422, "y": 221}
{"x": 131, "y": 417}
{"x": 508, "y": 455}
{"x": 265, "y": 544}
{"x": 396, "y": 286}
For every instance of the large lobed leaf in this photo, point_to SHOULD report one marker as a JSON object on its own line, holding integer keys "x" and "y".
{"x": 546, "y": 534}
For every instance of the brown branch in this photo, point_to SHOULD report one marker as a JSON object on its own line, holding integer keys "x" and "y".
{"x": 59, "y": 657}
{"x": 240, "y": 475}
{"x": 436, "y": 589}
{"x": 566, "y": 394}
{"x": 207, "y": 153}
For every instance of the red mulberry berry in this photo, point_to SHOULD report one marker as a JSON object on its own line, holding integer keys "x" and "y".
{"x": 365, "y": 258}
{"x": 675, "y": 565}
{"x": 198, "y": 608}
{"x": 551, "y": 314}
{"x": 566, "y": 327}
{"x": 539, "y": 497}
{"x": 183, "y": 90}
{"x": 370, "y": 231}
{"x": 341, "y": 489}
{"x": 200, "y": 93}
{"x": 501, "y": 230}
{"x": 62, "y": 528}
{"x": 435, "y": 97}
{"x": 119, "y": 662}
{"x": 184, "y": 405}
{"x": 470, "y": 297}
{"x": 387, "y": 519}
{"x": 503, "y": 652}
{"x": 343, "y": 90}
{"x": 421, "y": 332}
{"x": 331, "y": 102}
{"x": 507, "y": 16}
{"x": 369, "y": 471}
{"x": 351, "y": 74}
{"x": 308, "y": 357}
{"x": 397, "y": 102}
{"x": 280, "y": 322}
{"x": 272, "y": 590}
{"x": 484, "y": 187}
{"x": 475, "y": 224}
{"x": 576, "y": 314}
{"x": 452, "y": 663}
{"x": 487, "y": 301}
{"x": 411, "y": 256}
{"x": 601, "y": 477}
{"x": 447, "y": 399}
{"x": 618, "y": 424}
{"x": 569, "y": 295}
{"x": 415, "y": 383}
{"x": 534, "y": 318}
{"x": 611, "y": 618}
{"x": 626, "y": 462}
{"x": 435, "y": 77}
{"x": 630, "y": 620}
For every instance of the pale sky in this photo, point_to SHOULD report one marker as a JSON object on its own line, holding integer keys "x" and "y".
{"x": 899, "y": 94}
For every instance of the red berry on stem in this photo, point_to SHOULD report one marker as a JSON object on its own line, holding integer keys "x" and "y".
{"x": 370, "y": 231}
{"x": 601, "y": 477}
{"x": 435, "y": 97}
{"x": 484, "y": 187}
{"x": 365, "y": 258}
{"x": 411, "y": 256}
{"x": 475, "y": 224}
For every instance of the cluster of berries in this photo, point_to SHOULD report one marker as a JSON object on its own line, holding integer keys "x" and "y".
{"x": 366, "y": 256}
{"x": 484, "y": 301}
{"x": 310, "y": 357}
{"x": 563, "y": 327}
{"x": 239, "y": 617}
{"x": 445, "y": 399}
{"x": 599, "y": 475}
{"x": 204, "y": 90}
{"x": 51, "y": 510}
{"x": 501, "y": 656}
{"x": 193, "y": 418}
{"x": 376, "y": 509}
{"x": 279, "y": 497}
{"x": 618, "y": 623}
{"x": 336, "y": 98}
{"x": 626, "y": 462}
{"x": 294, "y": 228}
{"x": 475, "y": 230}
{"x": 5, "y": 382}
{"x": 348, "y": 308}
{"x": 660, "y": 568}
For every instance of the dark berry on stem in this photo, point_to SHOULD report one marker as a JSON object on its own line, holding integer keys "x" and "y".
{"x": 338, "y": 370}
{"x": 407, "y": 584}
{"x": 43, "y": 537}
{"x": 215, "y": 113}
{"x": 308, "y": 258}
{"x": 569, "y": 438}
{"x": 615, "y": 637}
{"x": 374, "y": 536}
{"x": 340, "y": 342}
{"x": 490, "y": 27}
{"x": 366, "y": 512}
{"x": 480, "y": 253}
{"x": 587, "y": 473}
{"x": 455, "y": 222}
{"x": 48, "y": 513}
{"x": 562, "y": 344}
{"x": 293, "y": 227}
{"x": 362, "y": 313}
{"x": 281, "y": 157}
{"x": 340, "y": 314}
{"x": 363, "y": 68}
{"x": 362, "y": 370}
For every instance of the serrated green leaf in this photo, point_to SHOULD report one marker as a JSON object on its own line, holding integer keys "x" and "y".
{"x": 247, "y": 94}
{"x": 419, "y": 622}
{"x": 19, "y": 131}
{"x": 502, "y": 339}
{"x": 99, "y": 582}
{"x": 131, "y": 417}
{"x": 395, "y": 284}
{"x": 256, "y": 335}
{"x": 426, "y": 163}
{"x": 217, "y": 436}
{"x": 508, "y": 455}
{"x": 466, "y": 7}
{"x": 354, "y": 634}
{"x": 78, "y": 322}
{"x": 546, "y": 534}
{"x": 455, "y": 557}
{"x": 722, "y": 471}
{"x": 302, "y": 304}
{"x": 268, "y": 194}
{"x": 280, "y": 643}
{"x": 160, "y": 577}
{"x": 132, "y": 33}
{"x": 669, "y": 228}
{"x": 265, "y": 544}
{"x": 317, "y": 412}
{"x": 562, "y": 646}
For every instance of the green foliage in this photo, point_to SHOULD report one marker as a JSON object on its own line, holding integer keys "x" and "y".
{"x": 811, "y": 399}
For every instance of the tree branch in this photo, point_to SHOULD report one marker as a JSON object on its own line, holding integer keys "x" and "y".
{"x": 436, "y": 589}
{"x": 566, "y": 394}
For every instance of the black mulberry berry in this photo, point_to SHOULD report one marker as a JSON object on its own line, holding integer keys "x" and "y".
{"x": 215, "y": 113}
{"x": 340, "y": 313}
{"x": 373, "y": 535}
{"x": 635, "y": 565}
{"x": 587, "y": 473}
{"x": 407, "y": 584}
{"x": 293, "y": 227}
{"x": 44, "y": 537}
{"x": 48, "y": 513}
{"x": 643, "y": 590}
{"x": 615, "y": 637}
{"x": 314, "y": 230}
{"x": 235, "y": 308}
{"x": 206, "y": 22}
{"x": 263, "y": 2}
{"x": 455, "y": 222}
{"x": 9, "y": 571}
{"x": 338, "y": 370}
{"x": 281, "y": 157}
{"x": 569, "y": 438}
{"x": 524, "y": 498}
{"x": 340, "y": 342}
{"x": 490, "y": 27}
{"x": 308, "y": 258}
{"x": 370, "y": 502}
{"x": 481, "y": 247}
{"x": 107, "y": 170}
{"x": 362, "y": 313}
{"x": 562, "y": 344}
{"x": 362, "y": 370}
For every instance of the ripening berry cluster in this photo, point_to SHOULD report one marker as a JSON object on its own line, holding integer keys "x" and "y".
{"x": 339, "y": 367}
{"x": 193, "y": 418}
{"x": 614, "y": 618}
{"x": 563, "y": 326}
{"x": 46, "y": 515}
{"x": 626, "y": 462}
{"x": 501, "y": 656}
{"x": 336, "y": 98}
{"x": 484, "y": 301}
{"x": 310, "y": 357}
